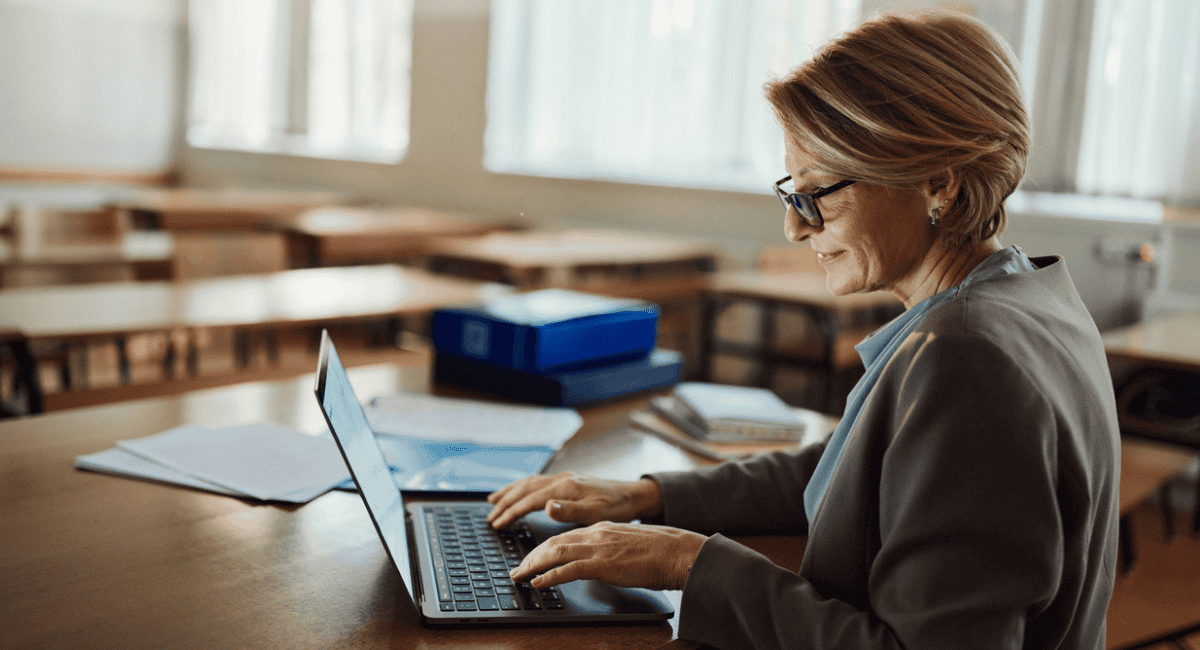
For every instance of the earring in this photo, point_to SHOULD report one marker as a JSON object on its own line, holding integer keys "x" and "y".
{"x": 933, "y": 217}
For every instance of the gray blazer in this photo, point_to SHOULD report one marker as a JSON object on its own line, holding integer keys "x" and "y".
{"x": 975, "y": 505}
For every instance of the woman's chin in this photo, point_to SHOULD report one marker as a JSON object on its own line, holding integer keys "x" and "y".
{"x": 837, "y": 286}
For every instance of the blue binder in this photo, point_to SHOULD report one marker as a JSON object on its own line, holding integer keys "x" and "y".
{"x": 548, "y": 331}
{"x": 574, "y": 388}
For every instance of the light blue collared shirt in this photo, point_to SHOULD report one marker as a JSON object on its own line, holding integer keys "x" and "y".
{"x": 877, "y": 349}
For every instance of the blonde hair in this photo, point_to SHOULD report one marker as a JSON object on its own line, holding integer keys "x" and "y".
{"x": 905, "y": 99}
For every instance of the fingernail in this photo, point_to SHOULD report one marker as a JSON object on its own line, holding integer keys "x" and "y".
{"x": 557, "y": 505}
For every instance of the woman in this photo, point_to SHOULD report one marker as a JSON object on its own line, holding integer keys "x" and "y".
{"x": 968, "y": 497}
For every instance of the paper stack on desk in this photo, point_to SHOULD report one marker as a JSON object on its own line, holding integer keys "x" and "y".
{"x": 260, "y": 461}
{"x": 430, "y": 443}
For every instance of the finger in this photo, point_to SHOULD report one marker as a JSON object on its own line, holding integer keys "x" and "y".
{"x": 494, "y": 497}
{"x": 567, "y": 511}
{"x": 519, "y": 509}
{"x": 587, "y": 569}
{"x": 552, "y": 553}
{"x": 514, "y": 492}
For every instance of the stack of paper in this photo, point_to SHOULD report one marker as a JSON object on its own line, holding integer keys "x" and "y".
{"x": 260, "y": 461}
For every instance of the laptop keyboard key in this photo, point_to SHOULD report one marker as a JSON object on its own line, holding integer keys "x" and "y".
{"x": 508, "y": 602}
{"x": 466, "y": 607}
{"x": 488, "y": 603}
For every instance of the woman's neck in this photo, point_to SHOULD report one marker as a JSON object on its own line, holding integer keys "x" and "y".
{"x": 943, "y": 267}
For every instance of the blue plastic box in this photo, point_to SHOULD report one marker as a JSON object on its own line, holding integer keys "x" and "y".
{"x": 574, "y": 388}
{"x": 548, "y": 331}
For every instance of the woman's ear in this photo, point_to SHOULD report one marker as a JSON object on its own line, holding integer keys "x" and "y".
{"x": 942, "y": 190}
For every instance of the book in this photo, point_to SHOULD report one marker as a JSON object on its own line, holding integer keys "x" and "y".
{"x": 548, "y": 331}
{"x": 573, "y": 388}
{"x": 724, "y": 413}
{"x": 649, "y": 421}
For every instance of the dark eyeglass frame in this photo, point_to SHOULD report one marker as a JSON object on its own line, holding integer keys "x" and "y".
{"x": 806, "y": 204}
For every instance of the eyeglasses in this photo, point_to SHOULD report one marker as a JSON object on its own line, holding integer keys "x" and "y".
{"x": 806, "y": 204}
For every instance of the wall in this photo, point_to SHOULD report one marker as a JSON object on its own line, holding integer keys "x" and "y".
{"x": 90, "y": 84}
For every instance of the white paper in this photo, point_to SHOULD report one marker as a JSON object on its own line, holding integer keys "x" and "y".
{"x": 465, "y": 420}
{"x": 264, "y": 461}
{"x": 118, "y": 462}
{"x": 123, "y": 463}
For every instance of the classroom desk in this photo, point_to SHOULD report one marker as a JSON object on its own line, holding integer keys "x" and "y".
{"x": 91, "y": 560}
{"x": 1171, "y": 343}
{"x": 132, "y": 256}
{"x": 337, "y": 236}
{"x": 113, "y": 311}
{"x": 217, "y": 209}
{"x": 802, "y": 291}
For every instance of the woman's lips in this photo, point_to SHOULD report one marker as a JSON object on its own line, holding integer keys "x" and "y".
{"x": 825, "y": 257}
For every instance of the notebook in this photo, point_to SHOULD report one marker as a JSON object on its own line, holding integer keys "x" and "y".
{"x": 454, "y": 566}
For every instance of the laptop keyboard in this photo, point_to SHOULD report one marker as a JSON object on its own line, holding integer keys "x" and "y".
{"x": 471, "y": 562}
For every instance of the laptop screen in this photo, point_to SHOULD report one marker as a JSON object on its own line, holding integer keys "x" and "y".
{"x": 367, "y": 466}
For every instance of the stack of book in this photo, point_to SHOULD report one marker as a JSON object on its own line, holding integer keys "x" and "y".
{"x": 554, "y": 347}
{"x": 719, "y": 421}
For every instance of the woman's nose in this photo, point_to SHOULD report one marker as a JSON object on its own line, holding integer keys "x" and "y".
{"x": 795, "y": 228}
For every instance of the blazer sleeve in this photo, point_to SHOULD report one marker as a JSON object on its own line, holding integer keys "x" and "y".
{"x": 970, "y": 544}
{"x": 760, "y": 494}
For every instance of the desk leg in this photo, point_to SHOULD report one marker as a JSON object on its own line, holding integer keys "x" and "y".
{"x": 168, "y": 362}
{"x": 1168, "y": 513}
{"x": 272, "y": 344}
{"x": 241, "y": 348}
{"x": 1196, "y": 512}
{"x": 710, "y": 307}
{"x": 1128, "y": 556}
{"x": 65, "y": 374}
{"x": 193, "y": 354}
{"x": 122, "y": 343}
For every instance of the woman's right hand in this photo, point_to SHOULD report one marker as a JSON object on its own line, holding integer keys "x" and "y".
{"x": 575, "y": 499}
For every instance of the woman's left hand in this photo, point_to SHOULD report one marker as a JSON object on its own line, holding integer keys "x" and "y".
{"x": 625, "y": 555}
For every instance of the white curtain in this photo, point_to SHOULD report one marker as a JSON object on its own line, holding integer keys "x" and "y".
{"x": 1141, "y": 126}
{"x": 658, "y": 91}
{"x": 310, "y": 77}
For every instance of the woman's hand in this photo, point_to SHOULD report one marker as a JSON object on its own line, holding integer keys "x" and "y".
{"x": 626, "y": 555}
{"x": 575, "y": 499}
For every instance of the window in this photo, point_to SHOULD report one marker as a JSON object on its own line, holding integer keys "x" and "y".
{"x": 326, "y": 78}
{"x": 1141, "y": 118}
{"x": 661, "y": 91}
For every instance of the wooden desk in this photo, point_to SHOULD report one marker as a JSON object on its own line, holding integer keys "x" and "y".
{"x": 132, "y": 256}
{"x": 90, "y": 560}
{"x": 670, "y": 271}
{"x": 336, "y": 236}
{"x": 81, "y": 314}
{"x": 1172, "y": 344}
{"x": 829, "y": 352}
{"x": 212, "y": 209}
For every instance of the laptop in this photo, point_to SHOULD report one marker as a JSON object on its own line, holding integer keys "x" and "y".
{"x": 453, "y": 564}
